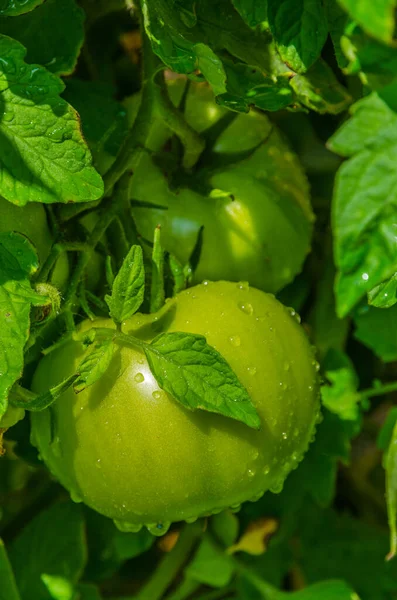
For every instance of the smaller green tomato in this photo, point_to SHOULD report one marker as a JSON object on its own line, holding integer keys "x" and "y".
{"x": 31, "y": 221}
{"x": 255, "y": 213}
{"x": 130, "y": 451}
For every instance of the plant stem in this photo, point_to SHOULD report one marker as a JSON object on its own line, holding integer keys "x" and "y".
{"x": 380, "y": 391}
{"x": 185, "y": 590}
{"x": 134, "y": 144}
{"x": 171, "y": 564}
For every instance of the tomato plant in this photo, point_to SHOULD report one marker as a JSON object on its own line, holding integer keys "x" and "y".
{"x": 127, "y": 449}
{"x": 169, "y": 430}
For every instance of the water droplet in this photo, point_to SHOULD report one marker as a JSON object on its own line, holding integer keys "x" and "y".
{"x": 251, "y": 473}
{"x": 75, "y": 496}
{"x": 156, "y": 395}
{"x": 235, "y": 340}
{"x": 8, "y": 116}
{"x": 246, "y": 307}
{"x": 139, "y": 377}
{"x": 284, "y": 435}
{"x": 251, "y": 370}
{"x": 127, "y": 527}
{"x": 205, "y": 282}
{"x": 158, "y": 529}
{"x": 310, "y": 388}
{"x": 235, "y": 508}
{"x": 243, "y": 285}
{"x": 266, "y": 470}
{"x": 98, "y": 464}
{"x": 191, "y": 519}
{"x": 365, "y": 276}
{"x": 277, "y": 486}
{"x": 283, "y": 385}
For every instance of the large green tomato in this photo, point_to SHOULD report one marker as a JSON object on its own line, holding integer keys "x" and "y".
{"x": 31, "y": 220}
{"x": 255, "y": 213}
{"x": 133, "y": 453}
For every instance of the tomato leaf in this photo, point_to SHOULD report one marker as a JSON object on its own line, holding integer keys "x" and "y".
{"x": 210, "y": 565}
{"x": 9, "y": 590}
{"x": 43, "y": 154}
{"x": 376, "y": 18}
{"x": 300, "y": 29}
{"x": 53, "y": 34}
{"x": 365, "y": 200}
{"x": 21, "y": 398}
{"x": 384, "y": 295}
{"x": 198, "y": 376}
{"x": 376, "y": 328}
{"x": 94, "y": 365}
{"x": 157, "y": 294}
{"x": 319, "y": 90}
{"x": 18, "y": 262}
{"x": 341, "y": 396}
{"x": 254, "y": 13}
{"x": 12, "y": 8}
{"x": 54, "y": 543}
{"x": 128, "y": 287}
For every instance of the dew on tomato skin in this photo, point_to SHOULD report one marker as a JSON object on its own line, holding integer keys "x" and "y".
{"x": 266, "y": 470}
{"x": 127, "y": 527}
{"x": 251, "y": 370}
{"x": 251, "y": 473}
{"x": 76, "y": 497}
{"x": 235, "y": 340}
{"x": 246, "y": 307}
{"x": 277, "y": 486}
{"x": 243, "y": 285}
{"x": 139, "y": 378}
{"x": 191, "y": 519}
{"x": 98, "y": 464}
{"x": 284, "y": 435}
{"x": 235, "y": 508}
{"x": 156, "y": 395}
{"x": 158, "y": 529}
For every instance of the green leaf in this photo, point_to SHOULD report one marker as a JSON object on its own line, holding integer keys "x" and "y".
{"x": 338, "y": 21}
{"x": 300, "y": 29}
{"x": 18, "y": 262}
{"x": 365, "y": 201}
{"x": 52, "y": 544}
{"x": 21, "y": 398}
{"x": 59, "y": 588}
{"x": 384, "y": 295}
{"x": 390, "y": 463}
{"x": 43, "y": 154}
{"x": 219, "y": 44}
{"x": 256, "y": 589}
{"x": 53, "y": 34}
{"x": 376, "y": 328}
{"x": 88, "y": 592}
{"x": 8, "y": 588}
{"x": 198, "y": 376}
{"x": 249, "y": 86}
{"x": 376, "y": 17}
{"x": 253, "y": 12}
{"x": 12, "y": 8}
{"x": 210, "y": 565}
{"x": 319, "y": 90}
{"x": 341, "y": 397}
{"x": 128, "y": 287}
{"x": 157, "y": 294}
{"x": 103, "y": 119}
{"x": 93, "y": 366}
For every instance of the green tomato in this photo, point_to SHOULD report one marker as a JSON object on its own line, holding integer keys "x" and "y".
{"x": 31, "y": 221}
{"x": 256, "y": 217}
{"x": 130, "y": 451}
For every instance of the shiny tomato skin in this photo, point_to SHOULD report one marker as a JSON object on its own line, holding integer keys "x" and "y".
{"x": 133, "y": 453}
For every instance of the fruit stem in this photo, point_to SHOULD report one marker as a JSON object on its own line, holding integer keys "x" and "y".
{"x": 378, "y": 391}
{"x": 171, "y": 563}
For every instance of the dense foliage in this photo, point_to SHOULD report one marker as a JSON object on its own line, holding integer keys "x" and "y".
{"x": 166, "y": 166}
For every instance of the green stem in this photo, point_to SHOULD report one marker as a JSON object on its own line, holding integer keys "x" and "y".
{"x": 192, "y": 142}
{"x": 57, "y": 249}
{"x": 268, "y": 591}
{"x": 185, "y": 590}
{"x": 380, "y": 391}
{"x": 96, "y": 234}
{"x": 134, "y": 144}
{"x": 171, "y": 564}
